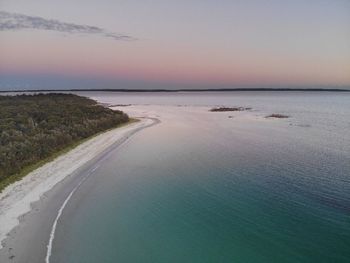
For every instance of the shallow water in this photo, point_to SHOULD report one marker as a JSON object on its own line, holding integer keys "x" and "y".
{"x": 202, "y": 187}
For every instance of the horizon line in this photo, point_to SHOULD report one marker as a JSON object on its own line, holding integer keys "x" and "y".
{"x": 182, "y": 90}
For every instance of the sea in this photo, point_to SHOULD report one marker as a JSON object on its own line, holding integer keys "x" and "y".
{"x": 218, "y": 187}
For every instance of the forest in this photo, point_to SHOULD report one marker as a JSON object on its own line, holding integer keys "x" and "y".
{"x": 34, "y": 127}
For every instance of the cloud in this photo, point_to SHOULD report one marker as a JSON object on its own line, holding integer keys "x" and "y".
{"x": 14, "y": 21}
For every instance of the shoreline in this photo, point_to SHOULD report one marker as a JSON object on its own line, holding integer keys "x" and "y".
{"x": 18, "y": 198}
{"x": 28, "y": 169}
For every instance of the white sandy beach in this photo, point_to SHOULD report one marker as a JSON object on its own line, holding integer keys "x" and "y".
{"x": 16, "y": 199}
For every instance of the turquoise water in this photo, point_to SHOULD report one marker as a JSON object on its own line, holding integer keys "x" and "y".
{"x": 204, "y": 188}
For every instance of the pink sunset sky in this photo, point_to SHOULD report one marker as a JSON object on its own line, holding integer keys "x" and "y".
{"x": 173, "y": 44}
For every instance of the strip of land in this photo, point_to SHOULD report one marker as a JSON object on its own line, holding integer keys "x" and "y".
{"x": 334, "y": 89}
{"x": 35, "y": 128}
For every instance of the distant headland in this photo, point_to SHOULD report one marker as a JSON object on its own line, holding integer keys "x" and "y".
{"x": 185, "y": 90}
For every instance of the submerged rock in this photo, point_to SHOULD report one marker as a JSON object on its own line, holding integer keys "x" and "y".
{"x": 277, "y": 115}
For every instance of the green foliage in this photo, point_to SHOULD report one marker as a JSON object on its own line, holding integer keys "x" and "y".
{"x": 34, "y": 127}
{"x": 222, "y": 109}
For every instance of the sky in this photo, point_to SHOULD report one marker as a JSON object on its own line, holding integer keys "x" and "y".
{"x": 126, "y": 44}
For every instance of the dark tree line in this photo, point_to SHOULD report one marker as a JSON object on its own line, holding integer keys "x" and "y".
{"x": 33, "y": 127}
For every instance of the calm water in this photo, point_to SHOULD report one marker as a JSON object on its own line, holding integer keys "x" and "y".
{"x": 201, "y": 187}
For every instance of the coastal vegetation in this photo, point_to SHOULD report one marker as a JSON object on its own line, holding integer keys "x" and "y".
{"x": 223, "y": 109}
{"x": 35, "y": 128}
{"x": 277, "y": 115}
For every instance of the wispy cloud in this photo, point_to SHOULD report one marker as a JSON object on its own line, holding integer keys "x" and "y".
{"x": 14, "y": 21}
